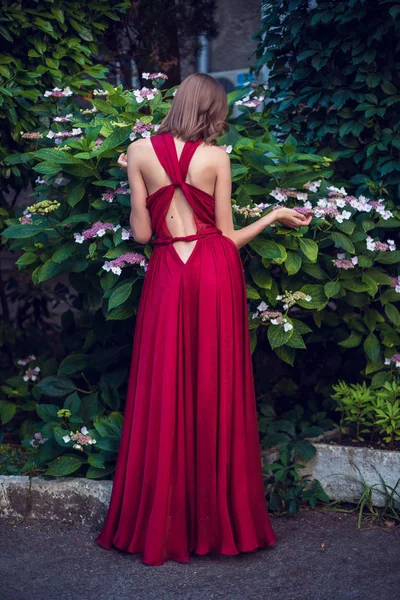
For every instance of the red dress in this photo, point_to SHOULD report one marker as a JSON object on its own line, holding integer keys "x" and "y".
{"x": 188, "y": 476}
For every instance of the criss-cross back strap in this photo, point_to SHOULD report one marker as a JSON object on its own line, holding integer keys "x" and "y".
{"x": 164, "y": 147}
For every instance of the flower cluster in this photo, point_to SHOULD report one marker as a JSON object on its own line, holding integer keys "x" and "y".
{"x": 98, "y": 142}
{"x": 145, "y": 94}
{"x": 142, "y": 129}
{"x": 380, "y": 246}
{"x": 37, "y": 440}
{"x": 250, "y": 211}
{"x": 395, "y": 359}
{"x": 100, "y": 93}
{"x": 31, "y": 374}
{"x": 152, "y": 76}
{"x": 98, "y": 229}
{"x": 273, "y": 316}
{"x": 81, "y": 438}
{"x": 44, "y": 207}
{"x": 332, "y": 205}
{"x": 26, "y": 218}
{"x": 65, "y": 119}
{"x": 250, "y": 101}
{"x": 341, "y": 262}
{"x": 24, "y": 361}
{"x": 129, "y": 258}
{"x": 59, "y": 136}
{"x": 396, "y": 283}
{"x": 88, "y": 111}
{"x": 227, "y": 149}
{"x": 32, "y": 135}
{"x": 290, "y": 298}
{"x": 110, "y": 194}
{"x": 64, "y": 413}
{"x": 58, "y": 93}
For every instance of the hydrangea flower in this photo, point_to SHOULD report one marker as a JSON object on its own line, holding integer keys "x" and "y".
{"x": 37, "y": 440}
{"x": 152, "y": 76}
{"x": 81, "y": 438}
{"x": 98, "y": 229}
{"x": 24, "y": 361}
{"x": 290, "y": 298}
{"x": 395, "y": 359}
{"x": 58, "y": 93}
{"x": 129, "y": 258}
{"x": 100, "y": 93}
{"x": 250, "y": 101}
{"x": 250, "y": 211}
{"x": 145, "y": 94}
{"x": 142, "y": 129}
{"x": 65, "y": 119}
{"x": 396, "y": 283}
{"x": 380, "y": 246}
{"x": 44, "y": 207}
{"x": 227, "y": 149}
{"x": 31, "y": 374}
{"x": 32, "y": 135}
{"x": 26, "y": 218}
{"x": 343, "y": 263}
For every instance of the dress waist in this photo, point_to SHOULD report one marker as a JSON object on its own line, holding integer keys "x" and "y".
{"x": 187, "y": 238}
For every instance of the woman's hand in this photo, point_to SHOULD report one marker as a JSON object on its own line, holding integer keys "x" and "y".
{"x": 123, "y": 161}
{"x": 291, "y": 218}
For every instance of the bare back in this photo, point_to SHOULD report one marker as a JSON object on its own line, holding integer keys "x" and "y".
{"x": 202, "y": 173}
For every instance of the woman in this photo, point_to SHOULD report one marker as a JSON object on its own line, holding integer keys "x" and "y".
{"x": 188, "y": 477}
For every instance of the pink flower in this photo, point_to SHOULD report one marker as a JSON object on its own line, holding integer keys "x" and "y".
{"x": 58, "y": 93}
{"x": 32, "y": 135}
{"x": 98, "y": 229}
{"x": 31, "y": 374}
{"x": 145, "y": 94}
{"x": 142, "y": 129}
{"x": 129, "y": 258}
{"x": 108, "y": 195}
{"x": 152, "y": 76}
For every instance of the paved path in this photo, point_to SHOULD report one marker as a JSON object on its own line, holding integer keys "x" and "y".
{"x": 319, "y": 556}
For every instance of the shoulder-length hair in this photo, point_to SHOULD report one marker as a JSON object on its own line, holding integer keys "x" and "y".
{"x": 199, "y": 109}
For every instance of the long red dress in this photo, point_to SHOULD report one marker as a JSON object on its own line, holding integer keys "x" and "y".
{"x": 188, "y": 476}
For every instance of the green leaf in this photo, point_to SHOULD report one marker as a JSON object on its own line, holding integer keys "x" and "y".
{"x": 7, "y": 411}
{"x": 47, "y": 412}
{"x": 54, "y": 386}
{"x": 26, "y": 259}
{"x": 293, "y": 262}
{"x": 120, "y": 294}
{"x": 76, "y": 194}
{"x": 109, "y": 394}
{"x": 73, "y": 403}
{"x": 331, "y": 288}
{"x": 22, "y": 231}
{"x": 372, "y": 347}
{"x": 352, "y": 341}
{"x": 269, "y": 249}
{"x": 277, "y": 336}
{"x": 392, "y": 313}
{"x": 343, "y": 241}
{"x": 57, "y": 156}
{"x": 309, "y": 248}
{"x": 252, "y": 293}
{"x": 65, "y": 465}
{"x": 318, "y": 297}
{"x": 74, "y": 363}
{"x": 96, "y": 473}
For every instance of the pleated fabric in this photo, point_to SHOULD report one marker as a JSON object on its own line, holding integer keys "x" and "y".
{"x": 188, "y": 476}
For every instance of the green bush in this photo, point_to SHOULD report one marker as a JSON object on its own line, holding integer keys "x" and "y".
{"x": 44, "y": 45}
{"x": 335, "y": 83}
{"x": 299, "y": 291}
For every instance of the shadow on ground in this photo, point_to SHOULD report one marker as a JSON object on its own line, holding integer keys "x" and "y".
{"x": 319, "y": 556}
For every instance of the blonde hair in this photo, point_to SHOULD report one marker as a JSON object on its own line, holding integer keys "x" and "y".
{"x": 198, "y": 110}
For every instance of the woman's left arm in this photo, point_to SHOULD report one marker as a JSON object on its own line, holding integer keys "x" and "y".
{"x": 139, "y": 219}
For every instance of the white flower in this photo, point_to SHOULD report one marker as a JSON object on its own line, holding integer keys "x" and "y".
{"x": 145, "y": 75}
{"x": 107, "y": 266}
{"x": 66, "y": 439}
{"x": 308, "y": 298}
{"x": 278, "y": 195}
{"x": 287, "y": 326}
{"x": 341, "y": 255}
{"x": 125, "y": 234}
{"x": 67, "y": 91}
{"x": 340, "y": 203}
{"x": 388, "y": 361}
{"x": 274, "y": 321}
{"x": 76, "y": 131}
{"x": 50, "y": 135}
{"x": 391, "y": 244}
{"x": 279, "y": 298}
{"x": 255, "y": 315}
{"x": 84, "y": 430}
{"x": 228, "y": 149}
{"x": 116, "y": 270}
{"x": 285, "y": 306}
{"x": 117, "y": 227}
{"x": 262, "y": 306}
{"x": 101, "y": 232}
{"x": 77, "y": 447}
{"x": 354, "y": 260}
{"x": 79, "y": 239}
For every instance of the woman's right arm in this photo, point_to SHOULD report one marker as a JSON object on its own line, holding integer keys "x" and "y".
{"x": 223, "y": 209}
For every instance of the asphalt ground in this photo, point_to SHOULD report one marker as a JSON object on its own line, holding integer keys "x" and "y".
{"x": 318, "y": 556}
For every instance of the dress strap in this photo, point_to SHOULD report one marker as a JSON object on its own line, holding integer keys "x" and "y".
{"x": 166, "y": 154}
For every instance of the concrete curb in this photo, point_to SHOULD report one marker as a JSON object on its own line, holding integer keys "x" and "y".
{"x": 73, "y": 499}
{"x": 66, "y": 500}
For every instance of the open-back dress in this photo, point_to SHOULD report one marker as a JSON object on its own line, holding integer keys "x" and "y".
{"x": 188, "y": 477}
